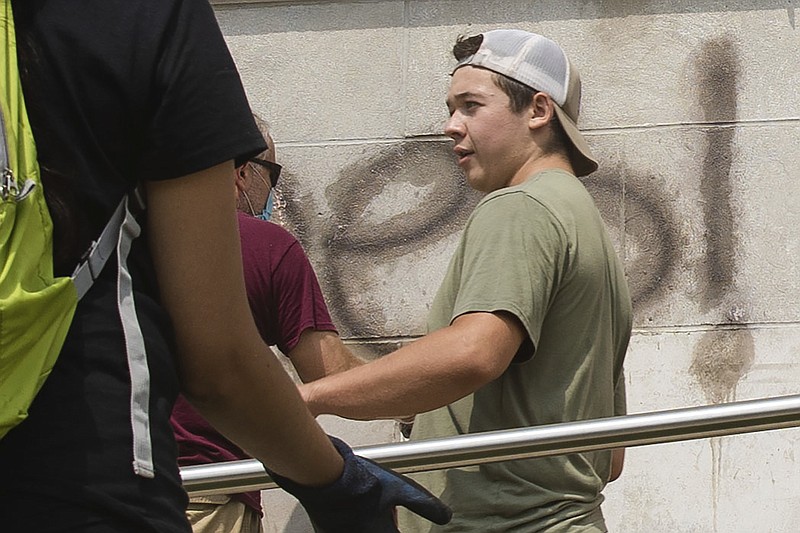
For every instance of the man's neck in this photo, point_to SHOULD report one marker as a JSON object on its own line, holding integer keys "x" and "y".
{"x": 540, "y": 164}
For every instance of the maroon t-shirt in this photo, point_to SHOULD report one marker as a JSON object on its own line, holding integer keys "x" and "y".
{"x": 285, "y": 299}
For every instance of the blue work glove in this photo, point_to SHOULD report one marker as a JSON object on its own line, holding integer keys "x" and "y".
{"x": 363, "y": 499}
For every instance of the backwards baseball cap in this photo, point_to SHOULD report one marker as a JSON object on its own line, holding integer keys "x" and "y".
{"x": 542, "y": 65}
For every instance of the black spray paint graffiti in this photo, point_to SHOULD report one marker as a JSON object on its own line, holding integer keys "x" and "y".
{"x": 441, "y": 212}
{"x": 643, "y": 223}
{"x": 717, "y": 72}
{"x": 353, "y": 244}
{"x": 720, "y": 360}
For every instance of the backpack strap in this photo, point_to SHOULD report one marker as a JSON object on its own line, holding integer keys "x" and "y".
{"x": 36, "y": 307}
{"x": 135, "y": 348}
{"x": 118, "y": 236}
{"x": 95, "y": 258}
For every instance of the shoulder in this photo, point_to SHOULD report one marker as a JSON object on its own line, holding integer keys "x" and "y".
{"x": 542, "y": 187}
{"x": 268, "y": 242}
{"x": 261, "y": 230}
{"x": 505, "y": 207}
{"x": 530, "y": 214}
{"x": 552, "y": 195}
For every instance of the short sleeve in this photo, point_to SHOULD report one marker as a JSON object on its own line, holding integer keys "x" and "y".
{"x": 201, "y": 116}
{"x": 513, "y": 251}
{"x": 301, "y": 305}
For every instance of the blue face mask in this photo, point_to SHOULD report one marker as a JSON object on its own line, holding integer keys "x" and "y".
{"x": 266, "y": 213}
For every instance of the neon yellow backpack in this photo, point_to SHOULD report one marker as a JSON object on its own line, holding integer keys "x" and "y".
{"x": 36, "y": 308}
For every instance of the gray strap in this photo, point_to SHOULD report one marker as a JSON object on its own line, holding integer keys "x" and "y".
{"x": 98, "y": 253}
{"x": 135, "y": 347}
{"x": 119, "y": 233}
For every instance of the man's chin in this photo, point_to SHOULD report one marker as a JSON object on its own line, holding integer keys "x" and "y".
{"x": 478, "y": 183}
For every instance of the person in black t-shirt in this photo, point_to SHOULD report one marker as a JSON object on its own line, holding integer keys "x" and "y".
{"x": 121, "y": 92}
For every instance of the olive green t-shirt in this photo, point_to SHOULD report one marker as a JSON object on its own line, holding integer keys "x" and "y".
{"x": 540, "y": 251}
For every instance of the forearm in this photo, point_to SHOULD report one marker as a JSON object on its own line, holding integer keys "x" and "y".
{"x": 321, "y": 353}
{"x": 424, "y": 375}
{"x": 403, "y": 383}
{"x": 233, "y": 379}
{"x": 258, "y": 407}
{"x": 617, "y": 462}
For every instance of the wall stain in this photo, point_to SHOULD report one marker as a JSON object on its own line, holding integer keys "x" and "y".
{"x": 721, "y": 358}
{"x": 720, "y": 361}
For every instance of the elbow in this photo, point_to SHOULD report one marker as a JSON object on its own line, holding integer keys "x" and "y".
{"x": 480, "y": 367}
{"x": 206, "y": 381}
{"x": 203, "y": 393}
{"x": 485, "y": 373}
{"x": 486, "y": 344}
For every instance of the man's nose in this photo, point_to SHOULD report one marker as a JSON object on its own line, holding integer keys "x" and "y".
{"x": 454, "y": 127}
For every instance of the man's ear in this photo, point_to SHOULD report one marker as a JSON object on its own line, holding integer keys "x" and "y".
{"x": 240, "y": 179}
{"x": 541, "y": 110}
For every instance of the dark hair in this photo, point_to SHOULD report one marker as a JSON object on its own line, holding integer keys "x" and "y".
{"x": 519, "y": 95}
{"x": 71, "y": 230}
{"x": 467, "y": 46}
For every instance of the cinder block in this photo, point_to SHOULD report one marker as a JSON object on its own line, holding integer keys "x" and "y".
{"x": 641, "y": 63}
{"x": 322, "y": 72}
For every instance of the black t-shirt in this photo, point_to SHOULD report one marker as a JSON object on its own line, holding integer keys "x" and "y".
{"x": 118, "y": 91}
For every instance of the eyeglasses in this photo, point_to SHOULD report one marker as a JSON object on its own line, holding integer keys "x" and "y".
{"x": 274, "y": 169}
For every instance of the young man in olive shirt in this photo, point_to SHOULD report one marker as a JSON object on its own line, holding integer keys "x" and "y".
{"x": 531, "y": 323}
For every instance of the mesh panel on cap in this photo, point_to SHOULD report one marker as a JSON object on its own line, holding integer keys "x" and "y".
{"x": 526, "y": 57}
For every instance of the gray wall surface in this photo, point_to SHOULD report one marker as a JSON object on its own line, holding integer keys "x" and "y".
{"x": 693, "y": 109}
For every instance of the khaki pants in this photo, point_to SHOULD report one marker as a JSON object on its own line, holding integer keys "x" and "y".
{"x": 220, "y": 514}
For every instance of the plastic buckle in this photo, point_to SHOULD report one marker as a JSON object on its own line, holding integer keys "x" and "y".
{"x": 86, "y": 258}
{"x": 8, "y": 185}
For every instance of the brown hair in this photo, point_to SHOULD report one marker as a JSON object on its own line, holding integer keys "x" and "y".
{"x": 519, "y": 93}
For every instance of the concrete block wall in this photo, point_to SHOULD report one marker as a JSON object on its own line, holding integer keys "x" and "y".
{"x": 694, "y": 111}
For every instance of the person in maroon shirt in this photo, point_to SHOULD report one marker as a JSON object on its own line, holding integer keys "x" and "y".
{"x": 290, "y": 313}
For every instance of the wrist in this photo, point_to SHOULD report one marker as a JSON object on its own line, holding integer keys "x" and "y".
{"x": 309, "y": 393}
{"x": 352, "y": 481}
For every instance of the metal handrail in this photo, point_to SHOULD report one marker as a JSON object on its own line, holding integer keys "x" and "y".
{"x": 540, "y": 441}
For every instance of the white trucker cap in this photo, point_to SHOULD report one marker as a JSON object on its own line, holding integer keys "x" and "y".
{"x": 542, "y": 65}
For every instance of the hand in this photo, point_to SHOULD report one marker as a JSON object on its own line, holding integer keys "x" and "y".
{"x": 363, "y": 499}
